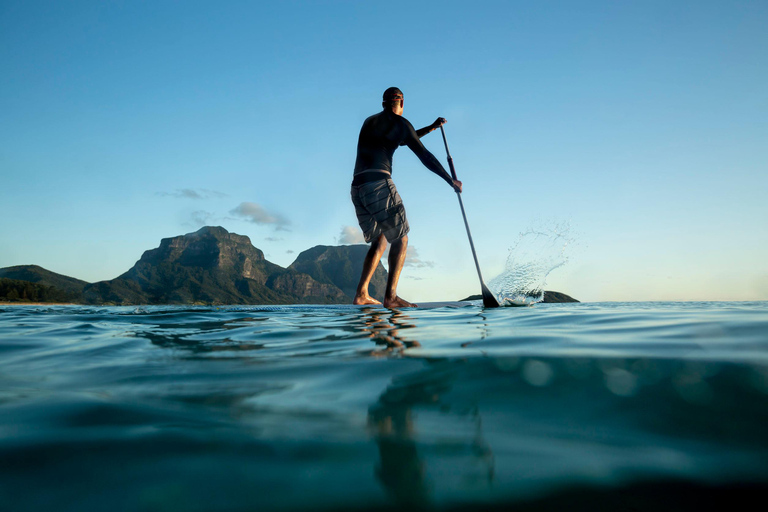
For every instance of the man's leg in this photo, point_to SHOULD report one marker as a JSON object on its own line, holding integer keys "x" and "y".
{"x": 396, "y": 260}
{"x": 369, "y": 266}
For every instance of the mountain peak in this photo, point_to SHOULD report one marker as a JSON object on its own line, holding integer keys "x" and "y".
{"x": 216, "y": 231}
{"x": 210, "y": 247}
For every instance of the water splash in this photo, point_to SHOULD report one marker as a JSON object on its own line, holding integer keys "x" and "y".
{"x": 536, "y": 253}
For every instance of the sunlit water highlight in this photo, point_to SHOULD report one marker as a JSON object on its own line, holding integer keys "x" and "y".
{"x": 328, "y": 407}
{"x": 535, "y": 254}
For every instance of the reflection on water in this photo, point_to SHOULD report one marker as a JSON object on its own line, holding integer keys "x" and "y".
{"x": 393, "y": 421}
{"x": 388, "y": 329}
{"x": 299, "y": 408}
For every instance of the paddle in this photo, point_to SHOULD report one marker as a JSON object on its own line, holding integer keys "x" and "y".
{"x": 489, "y": 300}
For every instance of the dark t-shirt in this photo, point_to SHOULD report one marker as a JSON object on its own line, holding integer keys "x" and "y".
{"x": 380, "y": 136}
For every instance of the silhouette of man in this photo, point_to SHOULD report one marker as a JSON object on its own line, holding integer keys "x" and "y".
{"x": 378, "y": 206}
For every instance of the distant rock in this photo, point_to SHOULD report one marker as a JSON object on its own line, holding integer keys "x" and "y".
{"x": 341, "y": 266}
{"x": 549, "y": 297}
{"x": 211, "y": 266}
{"x": 36, "y": 274}
{"x": 556, "y": 297}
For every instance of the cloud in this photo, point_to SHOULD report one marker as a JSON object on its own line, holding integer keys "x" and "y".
{"x": 350, "y": 235}
{"x": 200, "y": 218}
{"x": 191, "y": 193}
{"x": 412, "y": 259}
{"x": 289, "y": 251}
{"x": 256, "y": 214}
{"x": 353, "y": 235}
{"x": 273, "y": 239}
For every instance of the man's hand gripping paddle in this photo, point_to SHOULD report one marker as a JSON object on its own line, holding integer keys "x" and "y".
{"x": 489, "y": 300}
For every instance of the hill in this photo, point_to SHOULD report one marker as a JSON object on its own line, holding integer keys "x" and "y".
{"x": 211, "y": 266}
{"x": 13, "y": 290}
{"x": 341, "y": 266}
{"x": 70, "y": 286}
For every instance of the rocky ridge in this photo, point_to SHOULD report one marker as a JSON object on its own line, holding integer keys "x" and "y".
{"x": 211, "y": 266}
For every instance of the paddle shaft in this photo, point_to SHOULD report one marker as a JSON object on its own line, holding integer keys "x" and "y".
{"x": 461, "y": 204}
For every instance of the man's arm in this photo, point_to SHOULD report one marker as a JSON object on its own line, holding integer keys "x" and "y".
{"x": 440, "y": 121}
{"x": 429, "y": 160}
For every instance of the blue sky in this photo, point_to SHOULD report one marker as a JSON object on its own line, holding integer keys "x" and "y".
{"x": 641, "y": 124}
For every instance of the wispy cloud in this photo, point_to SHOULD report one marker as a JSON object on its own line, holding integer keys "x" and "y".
{"x": 353, "y": 235}
{"x": 289, "y": 251}
{"x": 412, "y": 259}
{"x": 255, "y": 213}
{"x": 350, "y": 235}
{"x": 273, "y": 239}
{"x": 193, "y": 193}
{"x": 200, "y": 218}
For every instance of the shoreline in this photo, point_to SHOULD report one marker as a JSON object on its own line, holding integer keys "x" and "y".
{"x": 38, "y": 304}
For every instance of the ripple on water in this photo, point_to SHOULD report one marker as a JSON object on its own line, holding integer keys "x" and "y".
{"x": 286, "y": 407}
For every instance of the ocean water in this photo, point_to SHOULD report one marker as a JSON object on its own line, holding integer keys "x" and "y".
{"x": 611, "y": 406}
{"x": 539, "y": 250}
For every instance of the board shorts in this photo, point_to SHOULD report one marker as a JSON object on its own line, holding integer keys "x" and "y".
{"x": 380, "y": 210}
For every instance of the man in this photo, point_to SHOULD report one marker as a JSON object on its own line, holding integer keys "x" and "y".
{"x": 378, "y": 206}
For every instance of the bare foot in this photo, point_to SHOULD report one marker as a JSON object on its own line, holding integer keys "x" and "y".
{"x": 361, "y": 300}
{"x": 397, "y": 302}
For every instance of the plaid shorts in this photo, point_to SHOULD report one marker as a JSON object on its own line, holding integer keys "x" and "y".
{"x": 380, "y": 210}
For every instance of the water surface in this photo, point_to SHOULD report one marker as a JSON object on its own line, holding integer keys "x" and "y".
{"x": 329, "y": 407}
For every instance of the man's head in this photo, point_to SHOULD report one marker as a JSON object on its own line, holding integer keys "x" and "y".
{"x": 393, "y": 99}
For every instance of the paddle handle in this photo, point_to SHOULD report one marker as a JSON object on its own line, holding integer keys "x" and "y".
{"x": 469, "y": 235}
{"x": 450, "y": 158}
{"x": 453, "y": 170}
{"x": 461, "y": 204}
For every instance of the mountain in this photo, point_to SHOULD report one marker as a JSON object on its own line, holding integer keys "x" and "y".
{"x": 211, "y": 266}
{"x": 70, "y": 286}
{"x": 341, "y": 266}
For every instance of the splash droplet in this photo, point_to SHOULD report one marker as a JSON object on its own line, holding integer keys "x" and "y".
{"x": 537, "y": 252}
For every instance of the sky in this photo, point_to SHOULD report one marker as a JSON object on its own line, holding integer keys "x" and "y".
{"x": 642, "y": 126}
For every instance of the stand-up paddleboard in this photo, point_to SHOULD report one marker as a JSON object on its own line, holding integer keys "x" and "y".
{"x": 353, "y": 307}
{"x": 504, "y": 302}
{"x": 427, "y": 305}
{"x": 454, "y": 304}
{"x": 344, "y": 307}
{"x": 445, "y": 304}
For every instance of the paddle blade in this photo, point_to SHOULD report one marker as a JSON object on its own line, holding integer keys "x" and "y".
{"x": 489, "y": 301}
